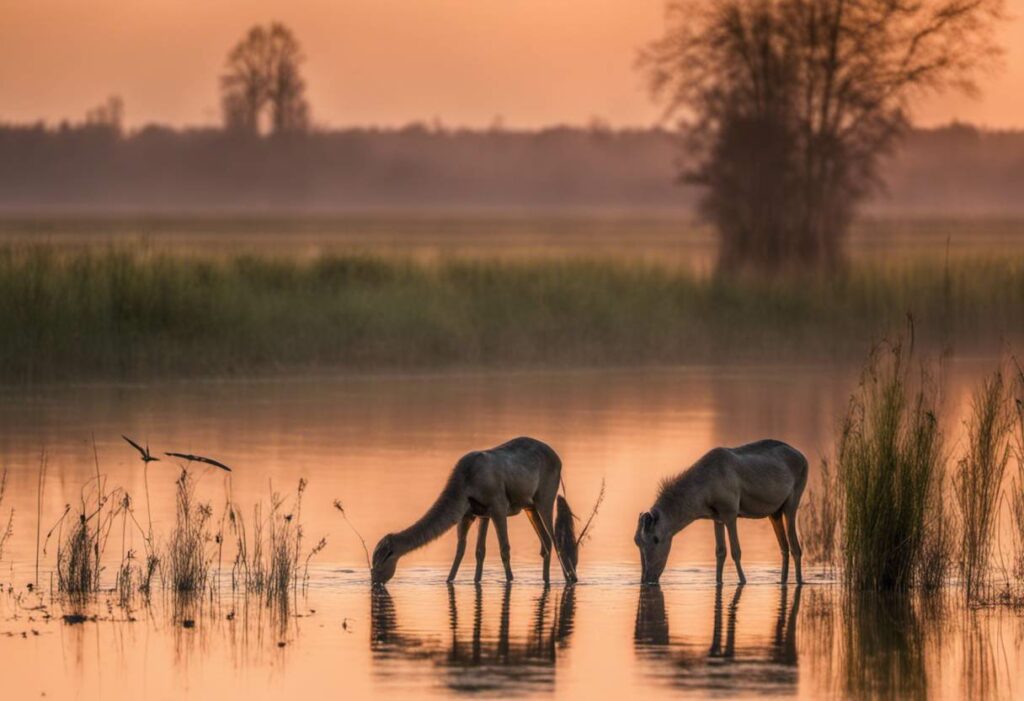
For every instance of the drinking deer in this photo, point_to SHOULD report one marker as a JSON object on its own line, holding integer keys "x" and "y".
{"x": 521, "y": 475}
{"x": 757, "y": 480}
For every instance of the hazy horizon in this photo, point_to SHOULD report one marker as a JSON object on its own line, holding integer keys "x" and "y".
{"x": 384, "y": 63}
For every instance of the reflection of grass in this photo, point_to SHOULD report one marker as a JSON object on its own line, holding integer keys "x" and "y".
{"x": 884, "y": 638}
{"x": 109, "y": 312}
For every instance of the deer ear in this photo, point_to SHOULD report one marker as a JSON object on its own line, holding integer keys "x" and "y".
{"x": 646, "y": 521}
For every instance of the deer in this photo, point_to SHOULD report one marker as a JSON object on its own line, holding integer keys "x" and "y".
{"x": 523, "y": 474}
{"x": 764, "y": 479}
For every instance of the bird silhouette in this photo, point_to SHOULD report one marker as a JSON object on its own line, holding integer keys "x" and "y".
{"x": 199, "y": 458}
{"x": 143, "y": 452}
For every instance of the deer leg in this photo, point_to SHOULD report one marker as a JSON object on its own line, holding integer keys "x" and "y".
{"x": 545, "y": 518}
{"x": 481, "y": 549}
{"x": 734, "y": 548}
{"x": 780, "y": 535}
{"x": 501, "y": 528}
{"x": 794, "y": 542}
{"x": 545, "y": 542}
{"x": 460, "y": 548}
{"x": 719, "y": 551}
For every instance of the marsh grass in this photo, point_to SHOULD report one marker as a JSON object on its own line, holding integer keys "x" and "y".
{"x": 81, "y": 547}
{"x": 188, "y": 559}
{"x": 285, "y": 545}
{"x": 6, "y": 525}
{"x": 978, "y": 481}
{"x": 77, "y": 561}
{"x": 1016, "y": 498}
{"x": 891, "y": 469}
{"x": 117, "y": 313}
{"x": 271, "y": 562}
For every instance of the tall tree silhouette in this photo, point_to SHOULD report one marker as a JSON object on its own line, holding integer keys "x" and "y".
{"x": 263, "y": 76}
{"x": 788, "y": 106}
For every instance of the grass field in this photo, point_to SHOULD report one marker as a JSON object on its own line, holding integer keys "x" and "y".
{"x": 108, "y": 312}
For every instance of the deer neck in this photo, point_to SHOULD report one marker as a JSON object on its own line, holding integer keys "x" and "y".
{"x": 445, "y": 512}
{"x": 682, "y": 507}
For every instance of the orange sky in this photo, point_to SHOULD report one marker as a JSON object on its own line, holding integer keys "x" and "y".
{"x": 387, "y": 62}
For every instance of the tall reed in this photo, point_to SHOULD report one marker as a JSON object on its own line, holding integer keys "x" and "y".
{"x": 1017, "y": 490}
{"x": 890, "y": 467}
{"x": 979, "y": 479}
{"x": 6, "y": 529}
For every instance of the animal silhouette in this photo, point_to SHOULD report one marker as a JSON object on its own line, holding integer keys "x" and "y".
{"x": 758, "y": 480}
{"x": 523, "y": 474}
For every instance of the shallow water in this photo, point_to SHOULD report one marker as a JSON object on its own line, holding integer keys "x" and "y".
{"x": 384, "y": 445}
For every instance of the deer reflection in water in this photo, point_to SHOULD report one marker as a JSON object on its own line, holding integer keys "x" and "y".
{"x": 723, "y": 667}
{"x": 478, "y": 661}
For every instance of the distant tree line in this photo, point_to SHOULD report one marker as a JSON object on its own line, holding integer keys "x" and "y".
{"x": 95, "y": 165}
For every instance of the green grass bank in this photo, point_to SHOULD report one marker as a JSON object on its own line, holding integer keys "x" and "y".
{"x": 111, "y": 313}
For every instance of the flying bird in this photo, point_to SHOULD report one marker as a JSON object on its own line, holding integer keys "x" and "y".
{"x": 199, "y": 458}
{"x": 144, "y": 452}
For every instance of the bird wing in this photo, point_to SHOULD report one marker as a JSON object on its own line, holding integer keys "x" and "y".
{"x": 135, "y": 445}
{"x": 199, "y": 458}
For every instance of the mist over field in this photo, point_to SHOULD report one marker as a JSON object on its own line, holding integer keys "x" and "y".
{"x": 957, "y": 170}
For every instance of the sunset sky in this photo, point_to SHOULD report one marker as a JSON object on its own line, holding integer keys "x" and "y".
{"x": 383, "y": 62}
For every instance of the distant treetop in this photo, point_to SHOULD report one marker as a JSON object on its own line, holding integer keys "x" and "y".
{"x": 262, "y": 88}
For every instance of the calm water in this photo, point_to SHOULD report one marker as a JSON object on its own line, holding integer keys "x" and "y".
{"x": 384, "y": 445}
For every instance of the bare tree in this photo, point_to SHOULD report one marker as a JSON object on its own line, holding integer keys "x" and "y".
{"x": 263, "y": 74}
{"x": 788, "y": 106}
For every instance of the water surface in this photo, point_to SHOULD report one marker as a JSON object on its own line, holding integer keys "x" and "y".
{"x": 384, "y": 446}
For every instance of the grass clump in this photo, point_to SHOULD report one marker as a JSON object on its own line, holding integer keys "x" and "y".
{"x": 78, "y": 567}
{"x": 979, "y": 479}
{"x": 80, "y": 549}
{"x": 271, "y": 563}
{"x": 188, "y": 561}
{"x": 890, "y": 468}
